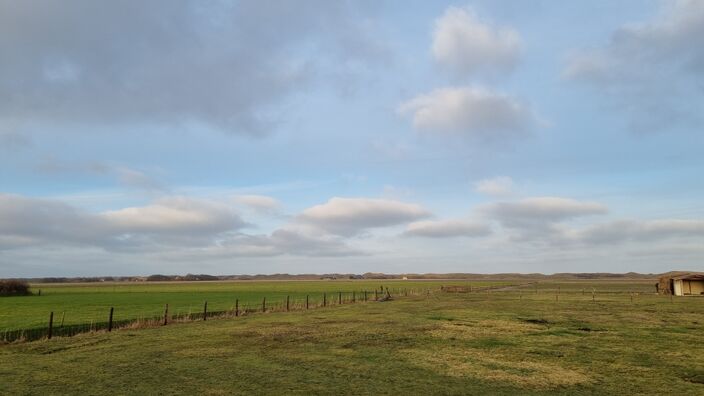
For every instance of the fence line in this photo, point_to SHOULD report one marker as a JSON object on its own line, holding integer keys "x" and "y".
{"x": 286, "y": 305}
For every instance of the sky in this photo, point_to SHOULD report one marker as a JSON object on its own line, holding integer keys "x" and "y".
{"x": 246, "y": 137}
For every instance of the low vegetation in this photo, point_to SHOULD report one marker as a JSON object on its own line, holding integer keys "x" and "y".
{"x": 538, "y": 339}
{"x": 13, "y": 288}
{"x": 86, "y": 303}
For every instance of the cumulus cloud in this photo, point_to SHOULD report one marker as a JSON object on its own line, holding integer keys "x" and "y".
{"x": 652, "y": 69}
{"x": 281, "y": 242}
{"x": 259, "y": 203}
{"x": 28, "y": 221}
{"x": 540, "y": 211}
{"x": 175, "y": 215}
{"x": 351, "y": 216}
{"x": 465, "y": 44}
{"x": 171, "y": 63}
{"x": 447, "y": 229}
{"x": 469, "y": 111}
{"x": 497, "y": 186}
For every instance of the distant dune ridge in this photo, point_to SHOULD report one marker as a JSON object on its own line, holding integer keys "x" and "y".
{"x": 336, "y": 276}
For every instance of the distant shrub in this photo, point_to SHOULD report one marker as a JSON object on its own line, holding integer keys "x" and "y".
{"x": 13, "y": 288}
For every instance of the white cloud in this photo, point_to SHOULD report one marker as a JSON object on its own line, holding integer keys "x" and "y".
{"x": 175, "y": 215}
{"x": 281, "y": 242}
{"x": 174, "y": 221}
{"x": 466, "y": 45}
{"x": 540, "y": 211}
{"x": 469, "y": 111}
{"x": 260, "y": 203}
{"x": 497, "y": 186}
{"x": 447, "y": 229}
{"x": 350, "y": 216}
{"x": 651, "y": 71}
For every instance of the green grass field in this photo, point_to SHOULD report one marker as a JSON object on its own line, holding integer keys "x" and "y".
{"x": 86, "y": 303}
{"x": 513, "y": 341}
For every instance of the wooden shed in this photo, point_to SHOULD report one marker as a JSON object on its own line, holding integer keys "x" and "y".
{"x": 682, "y": 284}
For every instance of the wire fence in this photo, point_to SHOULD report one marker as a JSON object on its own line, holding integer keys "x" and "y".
{"x": 56, "y": 328}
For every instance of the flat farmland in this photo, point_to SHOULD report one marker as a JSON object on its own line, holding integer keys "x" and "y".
{"x": 90, "y": 302}
{"x": 556, "y": 338}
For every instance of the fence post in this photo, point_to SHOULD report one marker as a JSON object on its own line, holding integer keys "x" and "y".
{"x": 287, "y": 303}
{"x": 63, "y": 314}
{"x": 237, "y": 307}
{"x": 205, "y": 310}
{"x": 166, "y": 314}
{"x": 339, "y": 298}
{"x": 51, "y": 324}
{"x": 110, "y": 320}
{"x": 376, "y": 295}
{"x": 264, "y": 305}
{"x": 325, "y": 300}
{"x": 365, "y": 295}
{"x": 354, "y": 299}
{"x": 306, "y": 301}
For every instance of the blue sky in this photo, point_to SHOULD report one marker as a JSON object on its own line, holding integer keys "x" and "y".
{"x": 315, "y": 136}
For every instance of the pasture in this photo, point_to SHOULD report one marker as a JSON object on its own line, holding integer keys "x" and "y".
{"x": 75, "y": 304}
{"x": 558, "y": 337}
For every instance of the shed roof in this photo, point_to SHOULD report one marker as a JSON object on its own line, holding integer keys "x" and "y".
{"x": 697, "y": 276}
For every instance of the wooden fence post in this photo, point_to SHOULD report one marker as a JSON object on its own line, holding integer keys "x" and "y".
{"x": 205, "y": 310}
{"x": 166, "y": 314}
{"x": 264, "y": 305}
{"x": 325, "y": 299}
{"x": 353, "y": 297}
{"x": 237, "y": 307}
{"x": 63, "y": 314}
{"x": 376, "y": 295}
{"x": 306, "y": 301}
{"x": 110, "y": 320}
{"x": 365, "y": 296}
{"x": 286, "y": 303}
{"x": 51, "y": 325}
{"x": 339, "y": 298}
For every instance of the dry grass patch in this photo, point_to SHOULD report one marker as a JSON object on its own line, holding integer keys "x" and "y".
{"x": 496, "y": 367}
{"x": 483, "y": 328}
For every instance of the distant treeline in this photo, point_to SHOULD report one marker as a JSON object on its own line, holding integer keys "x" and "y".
{"x": 368, "y": 275}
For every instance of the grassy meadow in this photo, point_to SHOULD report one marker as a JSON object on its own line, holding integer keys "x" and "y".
{"x": 91, "y": 302}
{"x": 551, "y": 339}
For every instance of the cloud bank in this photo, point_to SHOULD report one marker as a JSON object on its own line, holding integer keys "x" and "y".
{"x": 170, "y": 63}
{"x": 651, "y": 70}
{"x": 466, "y": 45}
